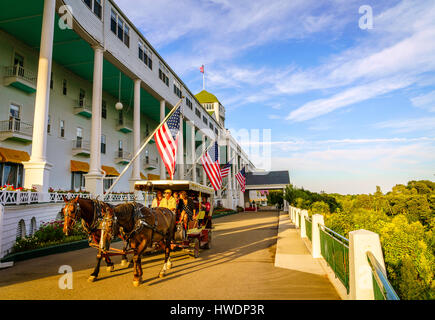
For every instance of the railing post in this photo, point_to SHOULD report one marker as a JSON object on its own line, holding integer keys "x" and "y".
{"x": 298, "y": 212}
{"x": 304, "y": 214}
{"x": 315, "y": 235}
{"x": 360, "y": 273}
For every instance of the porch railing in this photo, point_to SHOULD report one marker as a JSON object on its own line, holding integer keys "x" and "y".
{"x": 15, "y": 125}
{"x": 20, "y": 72}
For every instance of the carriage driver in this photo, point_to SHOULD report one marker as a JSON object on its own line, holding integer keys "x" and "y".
{"x": 168, "y": 201}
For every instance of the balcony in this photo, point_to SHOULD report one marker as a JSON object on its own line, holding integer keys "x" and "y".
{"x": 83, "y": 109}
{"x": 124, "y": 126}
{"x": 17, "y": 130}
{"x": 150, "y": 164}
{"x": 123, "y": 157}
{"x": 81, "y": 148}
{"x": 20, "y": 78}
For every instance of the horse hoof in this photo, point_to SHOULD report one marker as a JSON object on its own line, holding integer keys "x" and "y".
{"x": 169, "y": 266}
{"x": 136, "y": 283}
{"x": 124, "y": 263}
{"x": 162, "y": 275}
{"x": 110, "y": 268}
{"x": 92, "y": 278}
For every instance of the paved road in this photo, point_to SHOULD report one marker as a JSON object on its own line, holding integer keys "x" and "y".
{"x": 240, "y": 265}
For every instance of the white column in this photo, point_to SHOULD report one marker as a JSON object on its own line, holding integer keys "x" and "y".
{"x": 162, "y": 117}
{"x": 135, "y": 173}
{"x": 37, "y": 170}
{"x": 180, "y": 150}
{"x": 315, "y": 235}
{"x": 204, "y": 175}
{"x": 193, "y": 154}
{"x": 94, "y": 179}
{"x": 230, "y": 178}
{"x": 360, "y": 273}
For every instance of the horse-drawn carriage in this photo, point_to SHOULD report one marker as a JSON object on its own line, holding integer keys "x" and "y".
{"x": 140, "y": 226}
{"x": 199, "y": 233}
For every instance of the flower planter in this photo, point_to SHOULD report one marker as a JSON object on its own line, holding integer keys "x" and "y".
{"x": 59, "y": 248}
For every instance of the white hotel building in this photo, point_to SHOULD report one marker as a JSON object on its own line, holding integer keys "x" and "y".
{"x": 59, "y": 125}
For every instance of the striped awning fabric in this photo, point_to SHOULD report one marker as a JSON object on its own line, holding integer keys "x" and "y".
{"x": 110, "y": 171}
{"x": 15, "y": 156}
{"x": 79, "y": 166}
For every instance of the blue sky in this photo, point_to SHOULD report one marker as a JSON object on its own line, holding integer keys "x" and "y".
{"x": 348, "y": 109}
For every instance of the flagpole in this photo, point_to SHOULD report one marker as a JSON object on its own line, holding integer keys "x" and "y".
{"x": 143, "y": 146}
{"x": 203, "y": 78}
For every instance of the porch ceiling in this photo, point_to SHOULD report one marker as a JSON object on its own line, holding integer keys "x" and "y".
{"x": 23, "y": 20}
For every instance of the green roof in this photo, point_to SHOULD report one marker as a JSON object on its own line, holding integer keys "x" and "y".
{"x": 206, "y": 97}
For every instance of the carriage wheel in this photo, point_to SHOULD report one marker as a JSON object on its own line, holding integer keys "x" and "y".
{"x": 195, "y": 249}
{"x": 208, "y": 244}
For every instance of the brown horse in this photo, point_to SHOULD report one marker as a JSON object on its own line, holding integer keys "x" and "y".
{"x": 90, "y": 212}
{"x": 142, "y": 227}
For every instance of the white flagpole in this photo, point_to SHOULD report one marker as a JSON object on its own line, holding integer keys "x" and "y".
{"x": 151, "y": 136}
{"x": 203, "y": 77}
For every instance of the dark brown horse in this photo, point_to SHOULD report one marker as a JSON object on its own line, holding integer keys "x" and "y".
{"x": 142, "y": 227}
{"x": 90, "y": 212}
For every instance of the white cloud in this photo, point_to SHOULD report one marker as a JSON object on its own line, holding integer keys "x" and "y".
{"x": 316, "y": 108}
{"x": 359, "y": 169}
{"x": 409, "y": 125}
{"x": 425, "y": 101}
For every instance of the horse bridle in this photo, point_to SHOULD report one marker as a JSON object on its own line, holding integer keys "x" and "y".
{"x": 73, "y": 216}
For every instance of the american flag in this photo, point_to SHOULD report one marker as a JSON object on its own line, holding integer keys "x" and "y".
{"x": 225, "y": 170}
{"x": 240, "y": 176}
{"x": 210, "y": 161}
{"x": 167, "y": 141}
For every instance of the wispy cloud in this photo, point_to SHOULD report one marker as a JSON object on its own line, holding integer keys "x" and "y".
{"x": 425, "y": 101}
{"x": 409, "y": 125}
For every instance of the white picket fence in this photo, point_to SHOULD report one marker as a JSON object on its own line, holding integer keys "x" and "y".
{"x": 28, "y": 197}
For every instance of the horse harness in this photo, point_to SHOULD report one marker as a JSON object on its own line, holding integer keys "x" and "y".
{"x": 140, "y": 224}
{"x": 95, "y": 221}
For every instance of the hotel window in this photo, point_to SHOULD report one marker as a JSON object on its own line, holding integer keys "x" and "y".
{"x": 120, "y": 28}
{"x": 14, "y": 111}
{"x": 216, "y": 131}
{"x": 62, "y": 128}
{"x": 204, "y": 119}
{"x": 163, "y": 74}
{"x": 64, "y": 87}
{"x": 79, "y": 137}
{"x": 48, "y": 124}
{"x": 108, "y": 182}
{"x": 11, "y": 174}
{"x": 211, "y": 126}
{"x": 177, "y": 89}
{"x": 103, "y": 144}
{"x": 120, "y": 149}
{"x": 145, "y": 55}
{"x": 95, "y": 6}
{"x": 189, "y": 103}
{"x": 77, "y": 181}
{"x": 82, "y": 98}
{"x": 198, "y": 113}
{"x": 104, "y": 110}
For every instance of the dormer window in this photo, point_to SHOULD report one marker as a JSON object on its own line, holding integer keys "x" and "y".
{"x": 177, "y": 89}
{"x": 145, "y": 55}
{"x": 120, "y": 28}
{"x": 163, "y": 74}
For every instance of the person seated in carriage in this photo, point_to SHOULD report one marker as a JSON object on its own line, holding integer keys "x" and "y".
{"x": 168, "y": 201}
{"x": 186, "y": 208}
{"x": 157, "y": 199}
